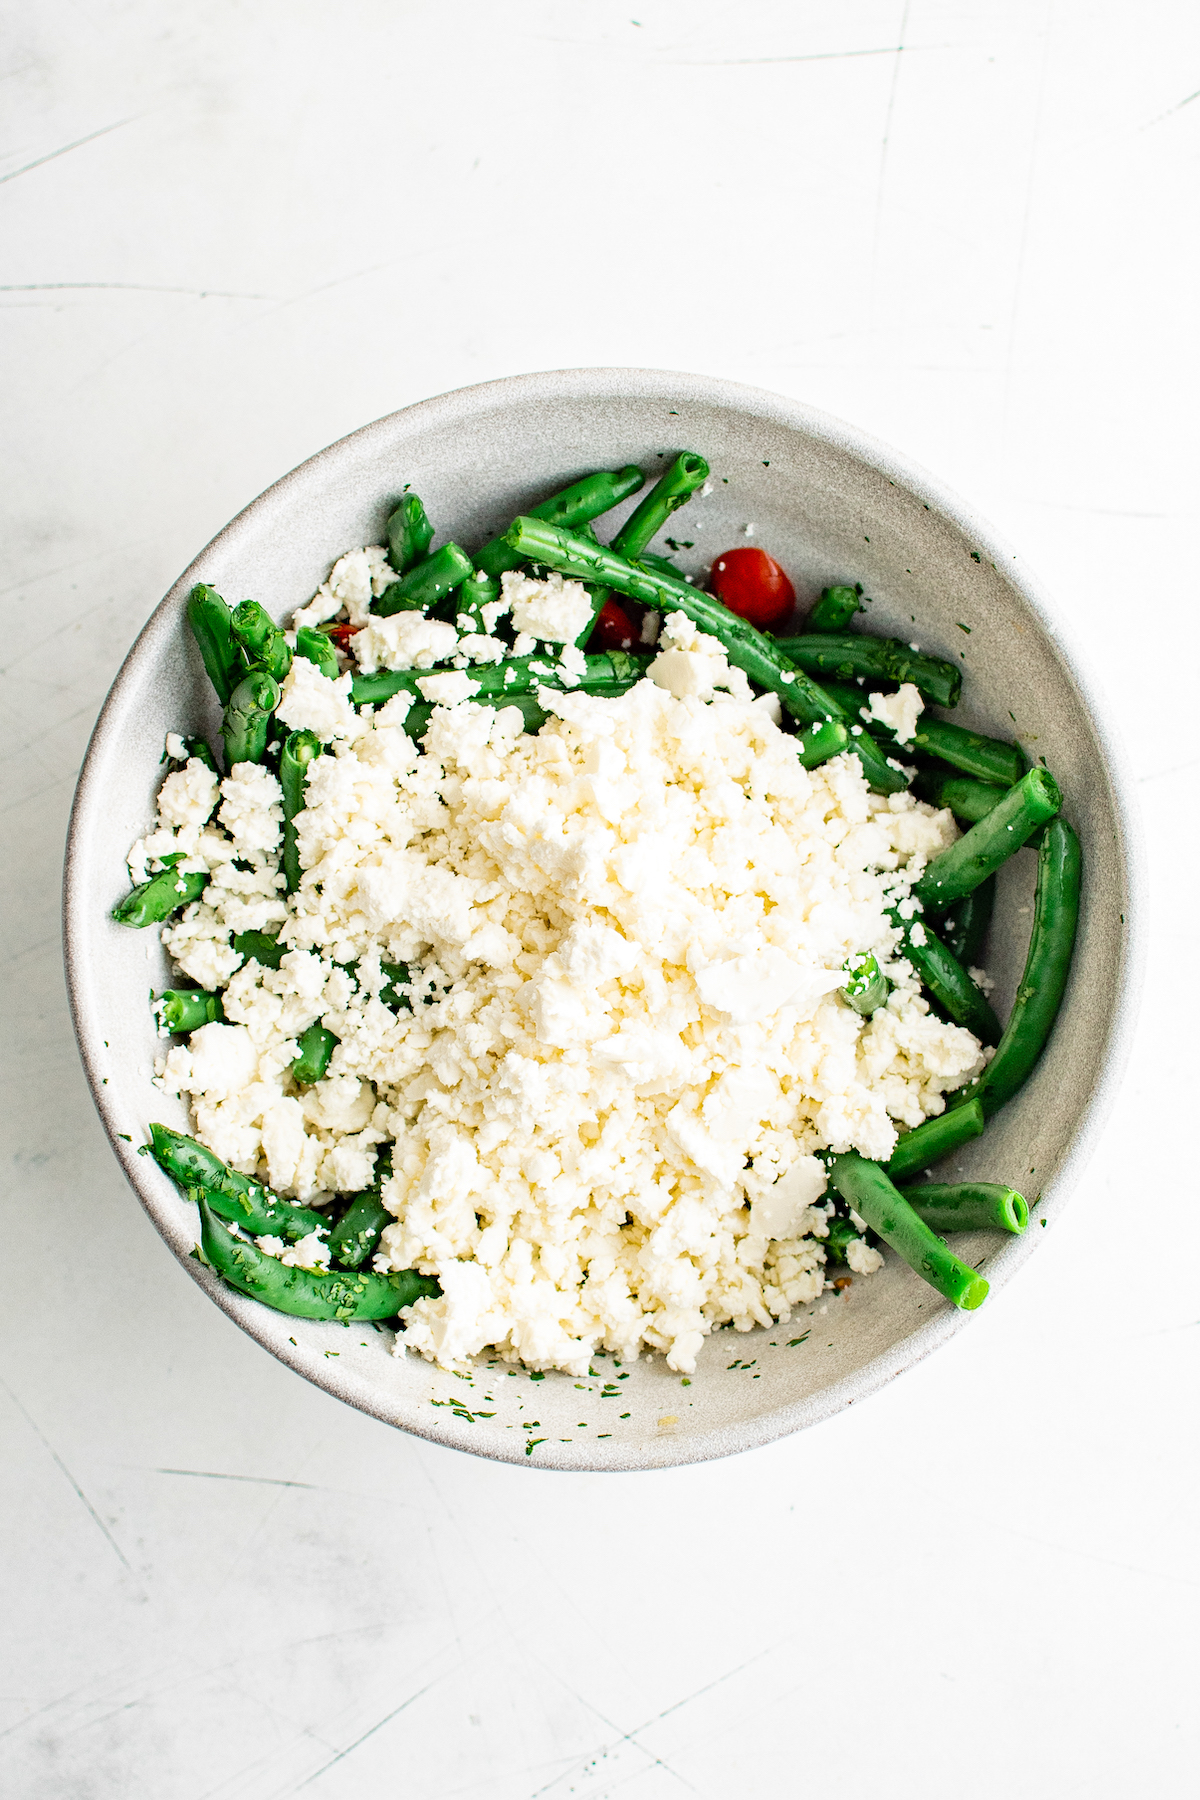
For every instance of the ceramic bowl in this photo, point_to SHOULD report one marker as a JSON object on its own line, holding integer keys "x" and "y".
{"x": 832, "y": 505}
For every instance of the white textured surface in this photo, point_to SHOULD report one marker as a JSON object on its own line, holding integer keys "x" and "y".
{"x": 297, "y": 219}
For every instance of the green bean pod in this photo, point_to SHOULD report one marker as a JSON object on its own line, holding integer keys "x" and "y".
{"x": 757, "y": 656}
{"x": 246, "y": 724}
{"x": 671, "y": 491}
{"x": 1047, "y": 965}
{"x": 867, "y": 1187}
{"x": 946, "y": 979}
{"x": 966, "y": 798}
{"x": 847, "y": 655}
{"x": 427, "y": 583}
{"x": 964, "y": 930}
{"x": 152, "y": 902}
{"x": 928, "y": 1142}
{"x": 409, "y": 534}
{"x": 201, "y": 749}
{"x": 317, "y": 1045}
{"x": 842, "y": 1233}
{"x": 264, "y": 644}
{"x": 980, "y": 851}
{"x": 298, "y": 751}
{"x": 969, "y": 1206}
{"x": 196, "y": 1171}
{"x": 183, "y": 1010}
{"x": 397, "y": 976}
{"x": 835, "y": 609}
{"x": 211, "y": 622}
{"x": 355, "y": 1238}
{"x": 316, "y": 648}
{"x": 501, "y": 682}
{"x": 260, "y": 947}
{"x": 477, "y": 591}
{"x": 574, "y": 506}
{"x": 867, "y": 989}
{"x": 303, "y": 1293}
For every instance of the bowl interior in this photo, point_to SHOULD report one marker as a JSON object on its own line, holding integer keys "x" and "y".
{"x": 831, "y": 506}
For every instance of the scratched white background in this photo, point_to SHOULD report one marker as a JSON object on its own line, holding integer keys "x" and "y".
{"x": 230, "y": 234}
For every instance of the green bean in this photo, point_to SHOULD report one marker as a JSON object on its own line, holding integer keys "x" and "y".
{"x": 835, "y": 609}
{"x": 867, "y": 1187}
{"x": 200, "y": 749}
{"x": 397, "y": 975}
{"x": 212, "y": 628}
{"x": 260, "y": 947}
{"x": 356, "y": 1235}
{"x": 261, "y": 639}
{"x": 980, "y": 851}
{"x": 964, "y": 933}
{"x": 842, "y": 1233}
{"x": 948, "y": 982}
{"x": 155, "y": 900}
{"x": 671, "y": 491}
{"x": 663, "y": 564}
{"x": 246, "y": 724}
{"x": 757, "y": 656}
{"x": 816, "y": 744}
{"x": 183, "y": 1010}
{"x": 515, "y": 676}
{"x": 317, "y": 1045}
{"x": 967, "y": 799}
{"x": 316, "y": 648}
{"x": 426, "y": 584}
{"x": 298, "y": 751}
{"x": 969, "y": 1206}
{"x": 867, "y": 989}
{"x": 840, "y": 653}
{"x": 409, "y": 534}
{"x": 1047, "y": 965}
{"x": 477, "y": 591}
{"x": 935, "y": 1138}
{"x": 988, "y": 759}
{"x": 576, "y": 505}
{"x": 234, "y": 1196}
{"x": 301, "y": 1292}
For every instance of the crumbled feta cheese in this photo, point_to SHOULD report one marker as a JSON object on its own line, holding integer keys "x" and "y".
{"x": 899, "y": 712}
{"x": 176, "y": 747}
{"x": 691, "y": 663}
{"x": 404, "y": 640}
{"x": 448, "y": 689}
{"x": 354, "y": 581}
{"x": 312, "y": 702}
{"x": 862, "y": 1258}
{"x": 651, "y": 625}
{"x": 553, "y": 609}
{"x": 478, "y": 647}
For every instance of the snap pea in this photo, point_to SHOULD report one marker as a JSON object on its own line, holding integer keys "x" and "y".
{"x": 317, "y": 1045}
{"x": 867, "y": 989}
{"x": 867, "y": 1187}
{"x": 935, "y": 1138}
{"x": 835, "y": 609}
{"x": 303, "y": 1293}
{"x": 409, "y": 534}
{"x": 267, "y": 951}
{"x": 846, "y": 655}
{"x": 946, "y": 979}
{"x": 969, "y": 1206}
{"x": 672, "y": 490}
{"x": 246, "y": 724}
{"x": 981, "y": 850}
{"x": 153, "y": 901}
{"x": 757, "y": 656}
{"x": 211, "y": 622}
{"x": 427, "y": 583}
{"x": 316, "y": 648}
{"x": 574, "y": 506}
{"x": 356, "y": 1235}
{"x": 964, "y": 930}
{"x": 298, "y": 751}
{"x": 186, "y": 1009}
{"x": 264, "y": 644}
{"x": 1047, "y": 965}
{"x": 234, "y": 1196}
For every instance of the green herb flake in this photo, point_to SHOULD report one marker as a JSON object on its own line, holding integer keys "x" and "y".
{"x": 967, "y": 629}
{"x": 532, "y": 1445}
{"x": 792, "y": 1342}
{"x": 974, "y": 556}
{"x": 124, "y": 1137}
{"x": 538, "y": 1375}
{"x": 627, "y": 1415}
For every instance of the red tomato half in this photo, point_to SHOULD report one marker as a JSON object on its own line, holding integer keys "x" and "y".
{"x": 752, "y": 585}
{"x": 613, "y": 629}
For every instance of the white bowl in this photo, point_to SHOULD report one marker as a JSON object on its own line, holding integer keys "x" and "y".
{"x": 832, "y": 505}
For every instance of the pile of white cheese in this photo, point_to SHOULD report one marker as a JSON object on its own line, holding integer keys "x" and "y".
{"x": 625, "y": 936}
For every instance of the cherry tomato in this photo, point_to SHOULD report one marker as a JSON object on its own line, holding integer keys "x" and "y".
{"x": 613, "y": 629}
{"x": 752, "y": 585}
{"x": 341, "y": 634}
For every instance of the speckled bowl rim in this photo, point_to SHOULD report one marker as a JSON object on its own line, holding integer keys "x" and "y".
{"x": 446, "y": 410}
